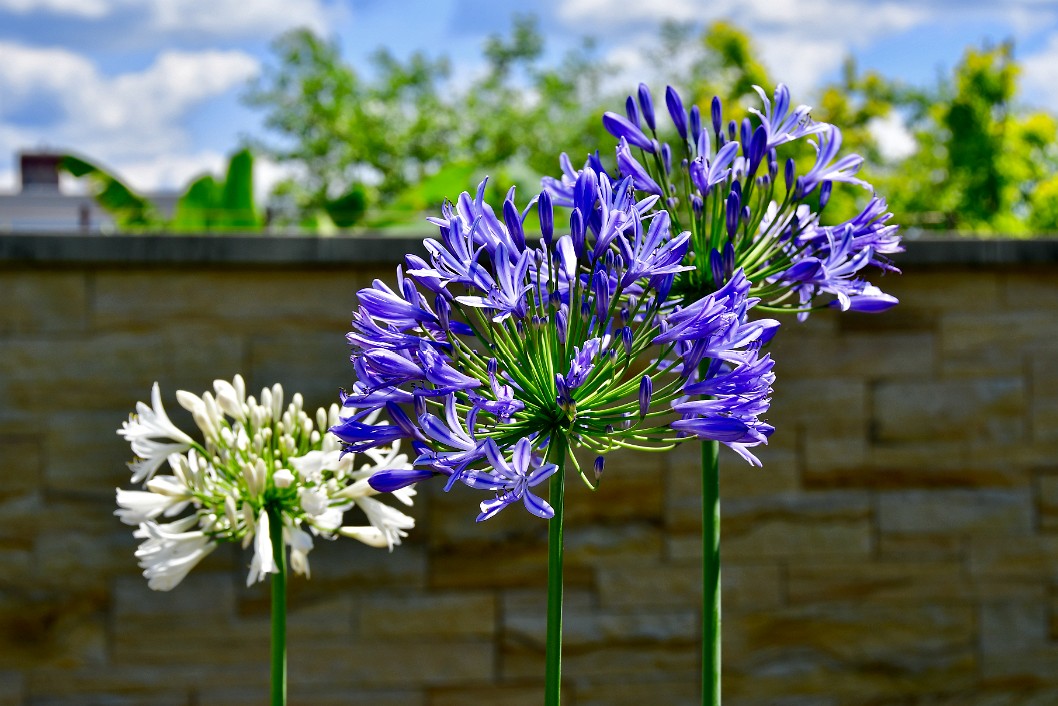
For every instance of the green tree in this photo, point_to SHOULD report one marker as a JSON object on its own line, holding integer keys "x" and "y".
{"x": 980, "y": 164}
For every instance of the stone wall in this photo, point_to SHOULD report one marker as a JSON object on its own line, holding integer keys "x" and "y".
{"x": 899, "y": 547}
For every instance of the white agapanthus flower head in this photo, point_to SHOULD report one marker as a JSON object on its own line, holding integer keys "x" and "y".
{"x": 259, "y": 463}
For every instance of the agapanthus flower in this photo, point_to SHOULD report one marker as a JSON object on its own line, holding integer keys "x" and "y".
{"x": 259, "y": 460}
{"x": 499, "y": 359}
{"x": 721, "y": 183}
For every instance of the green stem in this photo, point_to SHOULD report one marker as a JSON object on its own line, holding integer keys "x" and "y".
{"x": 553, "y": 658}
{"x": 710, "y": 573}
{"x": 279, "y": 609}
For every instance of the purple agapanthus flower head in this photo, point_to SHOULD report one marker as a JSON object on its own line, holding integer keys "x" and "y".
{"x": 726, "y": 195}
{"x": 497, "y": 356}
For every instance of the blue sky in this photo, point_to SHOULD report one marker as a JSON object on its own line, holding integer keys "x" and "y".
{"x": 151, "y": 87}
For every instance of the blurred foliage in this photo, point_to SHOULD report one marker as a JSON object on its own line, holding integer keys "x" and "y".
{"x": 129, "y": 210}
{"x": 380, "y": 147}
{"x": 407, "y": 136}
{"x": 206, "y": 205}
{"x": 979, "y": 164}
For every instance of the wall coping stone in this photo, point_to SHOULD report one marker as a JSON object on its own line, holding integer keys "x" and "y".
{"x": 225, "y": 251}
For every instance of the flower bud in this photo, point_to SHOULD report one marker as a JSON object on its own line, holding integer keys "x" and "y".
{"x": 718, "y": 120}
{"x": 513, "y": 221}
{"x": 600, "y": 462}
{"x": 576, "y": 231}
{"x": 696, "y": 123}
{"x": 824, "y": 194}
{"x": 647, "y": 106}
{"x": 676, "y": 111}
{"x": 619, "y": 127}
{"x": 631, "y": 111}
{"x": 547, "y": 218}
{"x": 646, "y": 389}
{"x": 283, "y": 478}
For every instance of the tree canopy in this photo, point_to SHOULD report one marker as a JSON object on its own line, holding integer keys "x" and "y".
{"x": 378, "y": 145}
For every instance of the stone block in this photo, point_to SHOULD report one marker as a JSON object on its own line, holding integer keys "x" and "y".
{"x": 508, "y": 695}
{"x": 750, "y": 588}
{"x": 989, "y": 409}
{"x": 968, "y": 512}
{"x": 645, "y": 662}
{"x": 340, "y": 663}
{"x": 433, "y": 617}
{"x": 86, "y": 456}
{"x": 1045, "y": 419}
{"x": 999, "y": 694}
{"x": 243, "y": 300}
{"x": 158, "y": 697}
{"x": 133, "y": 600}
{"x": 12, "y": 688}
{"x": 586, "y": 625}
{"x": 631, "y": 489}
{"x": 1033, "y": 558}
{"x": 904, "y": 582}
{"x": 21, "y": 468}
{"x": 347, "y": 565}
{"x": 481, "y": 565}
{"x": 683, "y": 485}
{"x": 1053, "y": 614}
{"x": 644, "y": 585}
{"x": 175, "y": 680}
{"x": 41, "y": 301}
{"x": 316, "y": 364}
{"x": 1030, "y": 289}
{"x": 939, "y": 290}
{"x": 835, "y": 461}
{"x": 309, "y": 696}
{"x": 832, "y": 406}
{"x": 993, "y": 343}
{"x": 818, "y": 524}
{"x": 1047, "y": 502}
{"x": 1013, "y": 626}
{"x": 872, "y": 355}
{"x": 1028, "y": 670}
{"x": 626, "y": 692}
{"x": 850, "y": 651}
{"x": 51, "y": 630}
{"x": 921, "y": 547}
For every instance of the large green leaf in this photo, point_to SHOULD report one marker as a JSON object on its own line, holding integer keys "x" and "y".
{"x": 129, "y": 209}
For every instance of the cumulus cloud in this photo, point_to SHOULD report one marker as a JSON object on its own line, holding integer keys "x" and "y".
{"x": 131, "y": 119}
{"x": 75, "y": 8}
{"x": 804, "y": 39}
{"x": 895, "y": 141}
{"x": 220, "y": 18}
{"x": 238, "y": 17}
{"x": 1039, "y": 77}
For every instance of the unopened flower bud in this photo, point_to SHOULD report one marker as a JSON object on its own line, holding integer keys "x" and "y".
{"x": 646, "y": 104}
{"x": 646, "y": 390}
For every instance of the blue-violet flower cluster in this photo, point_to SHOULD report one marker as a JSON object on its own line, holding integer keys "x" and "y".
{"x": 721, "y": 181}
{"x": 499, "y": 358}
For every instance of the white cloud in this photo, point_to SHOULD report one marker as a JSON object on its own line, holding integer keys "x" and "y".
{"x": 1039, "y": 72}
{"x": 895, "y": 141}
{"x": 218, "y": 18}
{"x": 132, "y": 122}
{"x": 78, "y": 8}
{"x": 800, "y": 41}
{"x": 238, "y": 17}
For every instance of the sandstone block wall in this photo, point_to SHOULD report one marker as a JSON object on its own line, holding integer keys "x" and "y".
{"x": 899, "y": 547}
